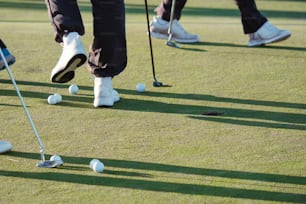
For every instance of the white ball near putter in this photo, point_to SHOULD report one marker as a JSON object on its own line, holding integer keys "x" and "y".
{"x": 140, "y": 87}
{"x": 96, "y": 165}
{"x": 52, "y": 100}
{"x": 5, "y": 146}
{"x": 92, "y": 163}
{"x": 55, "y": 158}
{"x": 58, "y": 97}
{"x": 73, "y": 89}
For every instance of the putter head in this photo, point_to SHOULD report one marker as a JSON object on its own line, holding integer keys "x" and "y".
{"x": 160, "y": 84}
{"x": 172, "y": 44}
{"x": 50, "y": 164}
{"x": 157, "y": 84}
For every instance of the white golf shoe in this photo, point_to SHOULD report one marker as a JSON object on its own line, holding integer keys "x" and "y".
{"x": 159, "y": 29}
{"x": 105, "y": 95}
{"x": 266, "y": 34}
{"x": 116, "y": 96}
{"x": 73, "y": 56}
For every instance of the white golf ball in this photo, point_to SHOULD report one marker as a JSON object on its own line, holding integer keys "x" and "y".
{"x": 55, "y": 158}
{"x": 58, "y": 97}
{"x": 5, "y": 146}
{"x": 73, "y": 89}
{"x": 52, "y": 100}
{"x": 98, "y": 167}
{"x": 92, "y": 162}
{"x": 140, "y": 87}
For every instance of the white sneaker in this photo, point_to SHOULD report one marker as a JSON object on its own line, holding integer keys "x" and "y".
{"x": 159, "y": 29}
{"x": 116, "y": 96}
{"x": 266, "y": 34}
{"x": 73, "y": 56}
{"x": 104, "y": 93}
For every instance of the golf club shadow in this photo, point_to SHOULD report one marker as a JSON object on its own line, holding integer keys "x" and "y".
{"x": 191, "y": 49}
{"x": 190, "y": 96}
{"x": 239, "y": 116}
{"x": 108, "y": 179}
{"x": 272, "y": 47}
{"x": 246, "y": 117}
{"x": 12, "y": 105}
{"x": 213, "y": 98}
{"x": 139, "y": 165}
{"x": 188, "y": 47}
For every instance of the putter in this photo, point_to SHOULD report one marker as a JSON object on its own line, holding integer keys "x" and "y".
{"x": 155, "y": 83}
{"x": 170, "y": 42}
{"x": 43, "y": 163}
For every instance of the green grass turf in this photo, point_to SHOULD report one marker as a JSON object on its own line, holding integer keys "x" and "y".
{"x": 157, "y": 146}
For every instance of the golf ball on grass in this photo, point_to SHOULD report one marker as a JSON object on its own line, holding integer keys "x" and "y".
{"x": 140, "y": 87}
{"x": 73, "y": 89}
{"x": 55, "y": 158}
{"x": 52, "y": 100}
{"x": 92, "y": 163}
{"x": 96, "y": 165}
{"x": 5, "y": 146}
{"x": 58, "y": 97}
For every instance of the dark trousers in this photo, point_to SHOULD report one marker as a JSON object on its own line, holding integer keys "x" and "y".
{"x": 107, "y": 53}
{"x": 251, "y": 18}
{"x": 164, "y": 9}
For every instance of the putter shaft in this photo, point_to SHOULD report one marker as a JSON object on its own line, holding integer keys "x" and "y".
{"x": 42, "y": 148}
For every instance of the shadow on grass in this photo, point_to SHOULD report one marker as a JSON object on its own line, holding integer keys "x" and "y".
{"x": 190, "y": 48}
{"x": 238, "y": 116}
{"x": 6, "y": 104}
{"x": 272, "y": 47}
{"x": 106, "y": 179}
{"x": 201, "y": 97}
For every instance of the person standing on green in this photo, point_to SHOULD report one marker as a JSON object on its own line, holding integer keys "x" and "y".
{"x": 257, "y": 26}
{"x": 107, "y": 54}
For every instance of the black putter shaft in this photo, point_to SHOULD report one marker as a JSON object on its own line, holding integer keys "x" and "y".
{"x": 155, "y": 83}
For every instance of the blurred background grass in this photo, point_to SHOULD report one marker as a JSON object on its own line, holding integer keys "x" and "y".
{"x": 157, "y": 146}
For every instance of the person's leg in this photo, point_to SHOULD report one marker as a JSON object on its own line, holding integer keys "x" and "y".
{"x": 65, "y": 17}
{"x": 108, "y": 53}
{"x": 257, "y": 26}
{"x": 10, "y": 59}
{"x": 160, "y": 24}
{"x": 251, "y": 18}
{"x": 68, "y": 25}
{"x": 164, "y": 9}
